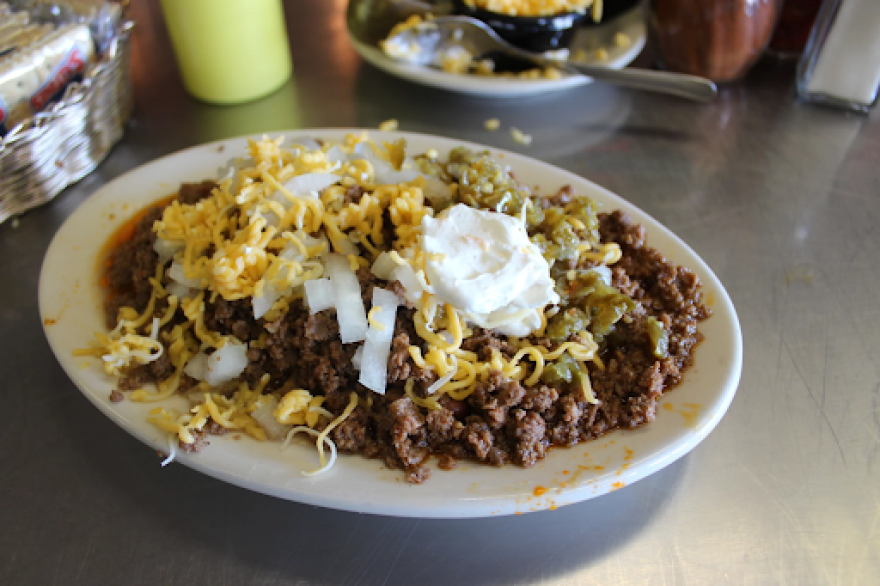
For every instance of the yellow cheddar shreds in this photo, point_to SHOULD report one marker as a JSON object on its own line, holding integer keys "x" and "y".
{"x": 534, "y": 7}
{"x": 293, "y": 407}
{"x": 520, "y": 137}
{"x": 492, "y": 124}
{"x": 389, "y": 125}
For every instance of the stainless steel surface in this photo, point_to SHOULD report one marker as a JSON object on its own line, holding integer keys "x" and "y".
{"x": 479, "y": 39}
{"x": 780, "y": 199}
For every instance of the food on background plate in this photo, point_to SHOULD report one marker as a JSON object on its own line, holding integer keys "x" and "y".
{"x": 454, "y": 56}
{"x": 395, "y": 306}
{"x": 536, "y": 7}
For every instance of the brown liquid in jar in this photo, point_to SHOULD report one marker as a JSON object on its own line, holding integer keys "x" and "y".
{"x": 717, "y": 39}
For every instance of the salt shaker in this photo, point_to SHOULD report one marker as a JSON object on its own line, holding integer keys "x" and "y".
{"x": 841, "y": 64}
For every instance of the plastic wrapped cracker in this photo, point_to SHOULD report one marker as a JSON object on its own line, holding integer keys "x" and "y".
{"x": 102, "y": 17}
{"x": 12, "y": 20}
{"x": 13, "y": 39}
{"x": 37, "y": 75}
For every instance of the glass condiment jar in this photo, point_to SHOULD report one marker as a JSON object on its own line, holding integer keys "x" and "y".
{"x": 717, "y": 39}
{"x": 795, "y": 23}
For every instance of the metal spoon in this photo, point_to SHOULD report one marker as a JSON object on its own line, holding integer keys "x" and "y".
{"x": 420, "y": 45}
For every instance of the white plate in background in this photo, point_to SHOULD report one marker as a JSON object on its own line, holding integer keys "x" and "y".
{"x": 587, "y": 38}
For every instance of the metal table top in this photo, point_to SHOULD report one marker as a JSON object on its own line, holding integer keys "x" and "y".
{"x": 781, "y": 199}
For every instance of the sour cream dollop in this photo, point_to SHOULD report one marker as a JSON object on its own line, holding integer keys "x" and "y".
{"x": 483, "y": 264}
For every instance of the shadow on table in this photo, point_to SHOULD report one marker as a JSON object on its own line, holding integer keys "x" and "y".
{"x": 177, "y": 513}
{"x": 560, "y": 123}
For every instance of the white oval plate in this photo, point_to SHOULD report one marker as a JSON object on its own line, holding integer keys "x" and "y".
{"x": 587, "y": 38}
{"x": 70, "y": 307}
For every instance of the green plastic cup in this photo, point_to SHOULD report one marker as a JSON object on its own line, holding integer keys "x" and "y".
{"x": 229, "y": 51}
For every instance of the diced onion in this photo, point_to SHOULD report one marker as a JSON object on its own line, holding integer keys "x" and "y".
{"x": 178, "y": 290}
{"x": 437, "y": 192}
{"x": 305, "y": 185}
{"x": 391, "y": 177}
{"x": 358, "y": 358}
{"x": 264, "y": 302}
{"x": 226, "y": 364}
{"x": 345, "y": 246}
{"x": 197, "y": 366}
{"x": 377, "y": 348}
{"x": 232, "y": 169}
{"x": 176, "y": 273}
{"x": 264, "y": 416}
{"x": 166, "y": 249}
{"x": 604, "y": 272}
{"x": 384, "y": 172}
{"x": 411, "y": 285}
{"x": 308, "y": 143}
{"x": 319, "y": 295}
{"x": 349, "y": 305}
{"x": 335, "y": 154}
{"x": 384, "y": 266}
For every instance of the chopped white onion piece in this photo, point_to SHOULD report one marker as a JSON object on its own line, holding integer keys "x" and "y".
{"x": 435, "y": 386}
{"x": 391, "y": 177}
{"x": 604, "y": 271}
{"x": 384, "y": 266}
{"x": 335, "y": 154}
{"x": 166, "y": 249}
{"x": 177, "y": 273}
{"x": 232, "y": 169}
{"x": 382, "y": 169}
{"x": 358, "y": 358}
{"x": 179, "y": 291}
{"x": 264, "y": 302}
{"x": 197, "y": 366}
{"x": 264, "y": 415}
{"x": 308, "y": 143}
{"x": 346, "y": 247}
{"x": 226, "y": 363}
{"x": 292, "y": 252}
{"x": 377, "y": 348}
{"x": 319, "y": 295}
{"x": 309, "y": 183}
{"x": 437, "y": 192}
{"x": 363, "y": 150}
{"x": 349, "y": 305}
{"x": 411, "y": 285}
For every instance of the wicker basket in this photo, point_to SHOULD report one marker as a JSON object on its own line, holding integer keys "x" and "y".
{"x": 63, "y": 144}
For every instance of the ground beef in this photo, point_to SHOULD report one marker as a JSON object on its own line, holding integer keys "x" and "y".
{"x": 502, "y": 421}
{"x": 191, "y": 193}
{"x": 129, "y": 268}
{"x": 198, "y": 445}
